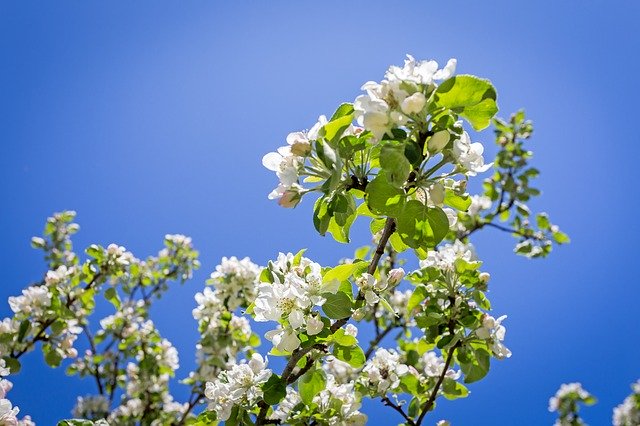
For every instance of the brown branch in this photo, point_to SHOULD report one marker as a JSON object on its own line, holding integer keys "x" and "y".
{"x": 386, "y": 401}
{"x": 40, "y": 336}
{"x": 374, "y": 343}
{"x": 389, "y": 228}
{"x": 297, "y": 354}
{"x": 96, "y": 370}
{"x": 429, "y": 404}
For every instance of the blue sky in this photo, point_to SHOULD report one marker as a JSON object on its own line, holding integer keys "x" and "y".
{"x": 151, "y": 117}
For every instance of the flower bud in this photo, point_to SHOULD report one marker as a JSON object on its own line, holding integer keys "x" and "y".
{"x": 436, "y": 193}
{"x": 314, "y": 325}
{"x": 438, "y": 141}
{"x": 290, "y": 198}
{"x": 484, "y": 277}
{"x": 358, "y": 314}
{"x": 37, "y": 242}
{"x": 299, "y": 143}
{"x": 395, "y": 276}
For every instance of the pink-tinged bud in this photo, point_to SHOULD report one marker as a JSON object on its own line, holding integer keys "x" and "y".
{"x": 395, "y": 276}
{"x": 289, "y": 199}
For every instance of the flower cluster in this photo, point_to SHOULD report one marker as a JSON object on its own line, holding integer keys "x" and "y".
{"x": 401, "y": 97}
{"x": 240, "y": 385}
{"x": 628, "y": 413}
{"x": 493, "y": 331}
{"x": 566, "y": 401}
{"x": 9, "y": 413}
{"x": 383, "y": 372}
{"x": 295, "y": 289}
{"x": 91, "y": 407}
{"x": 235, "y": 281}
{"x": 223, "y": 336}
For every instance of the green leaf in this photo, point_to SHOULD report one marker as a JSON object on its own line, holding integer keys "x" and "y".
{"x": 344, "y": 109}
{"x": 112, "y": 296}
{"x": 471, "y": 97}
{"x": 458, "y": 202}
{"x": 311, "y": 384}
{"x": 342, "y": 273}
{"x": 478, "y": 367}
{"x": 354, "y": 356}
{"x": 395, "y": 164}
{"x": 334, "y": 128}
{"x": 343, "y": 339}
{"x": 384, "y": 198}
{"x": 419, "y": 295}
{"x": 206, "y": 418}
{"x": 322, "y": 215}
{"x": 274, "y": 390}
{"x": 421, "y": 226}
{"x": 25, "y": 326}
{"x": 13, "y": 364}
{"x": 337, "y": 306}
{"x": 51, "y": 356}
{"x": 454, "y": 390}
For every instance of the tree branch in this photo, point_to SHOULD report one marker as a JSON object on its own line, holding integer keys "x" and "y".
{"x": 389, "y": 228}
{"x": 386, "y": 401}
{"x": 429, "y": 404}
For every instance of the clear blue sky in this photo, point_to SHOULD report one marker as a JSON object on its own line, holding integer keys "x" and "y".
{"x": 152, "y": 117}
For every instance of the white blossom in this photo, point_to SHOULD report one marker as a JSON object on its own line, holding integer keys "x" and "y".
{"x": 33, "y": 301}
{"x": 238, "y": 386}
{"x": 235, "y": 281}
{"x": 469, "y": 155}
{"x": 479, "y": 203}
{"x": 383, "y": 372}
{"x": 493, "y": 330}
{"x": 445, "y": 256}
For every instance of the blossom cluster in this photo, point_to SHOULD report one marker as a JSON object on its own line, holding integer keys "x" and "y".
{"x": 566, "y": 401}
{"x": 628, "y": 413}
{"x": 289, "y": 299}
{"x": 9, "y": 413}
{"x": 235, "y": 281}
{"x": 240, "y": 385}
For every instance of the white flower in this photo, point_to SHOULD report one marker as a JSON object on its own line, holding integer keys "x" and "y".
{"x": 287, "y": 167}
{"x": 478, "y": 204}
{"x": 469, "y": 155}
{"x": 339, "y": 404}
{"x": 351, "y": 330}
{"x": 628, "y": 413}
{"x": 493, "y": 330}
{"x": 383, "y": 371}
{"x": 235, "y": 281}
{"x": 567, "y": 389}
{"x": 314, "y": 325}
{"x": 286, "y": 406}
{"x": 299, "y": 143}
{"x": 284, "y": 339}
{"x": 371, "y": 287}
{"x": 239, "y": 385}
{"x": 32, "y": 301}
{"x": 372, "y": 114}
{"x": 8, "y": 413}
{"x": 445, "y": 256}
{"x": 434, "y": 366}
{"x": 413, "y": 104}
{"x": 447, "y": 71}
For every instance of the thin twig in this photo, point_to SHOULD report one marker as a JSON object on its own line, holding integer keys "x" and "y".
{"x": 429, "y": 404}
{"x": 386, "y": 401}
